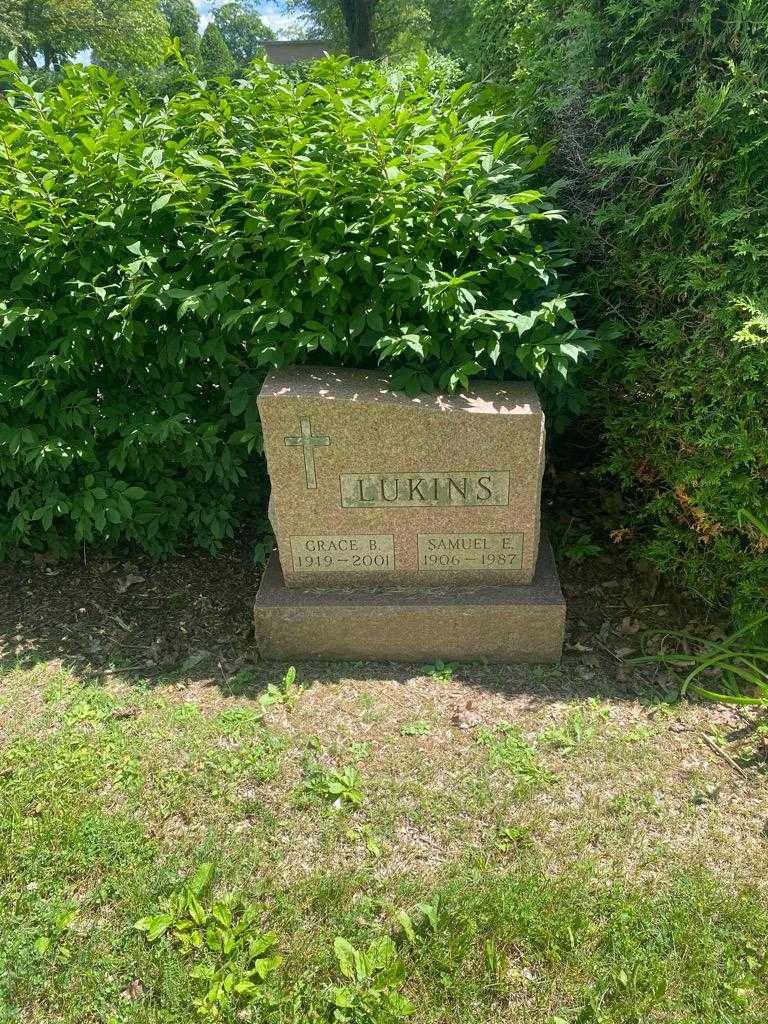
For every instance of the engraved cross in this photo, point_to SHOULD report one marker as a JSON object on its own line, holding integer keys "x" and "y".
{"x": 308, "y": 443}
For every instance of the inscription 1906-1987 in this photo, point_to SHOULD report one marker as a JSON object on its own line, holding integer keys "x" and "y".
{"x": 498, "y": 552}
{"x": 400, "y": 490}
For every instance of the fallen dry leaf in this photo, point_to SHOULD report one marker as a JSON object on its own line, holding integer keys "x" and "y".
{"x": 629, "y": 626}
{"x": 195, "y": 658}
{"x": 135, "y": 990}
{"x": 620, "y": 535}
{"x": 624, "y": 652}
{"x": 467, "y": 717}
{"x": 129, "y": 581}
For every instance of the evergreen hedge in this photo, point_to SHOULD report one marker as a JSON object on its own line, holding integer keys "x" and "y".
{"x": 660, "y": 111}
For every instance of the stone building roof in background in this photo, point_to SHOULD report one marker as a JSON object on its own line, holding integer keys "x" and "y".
{"x": 289, "y": 51}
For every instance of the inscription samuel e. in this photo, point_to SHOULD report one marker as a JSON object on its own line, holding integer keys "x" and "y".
{"x": 494, "y": 552}
{"x": 406, "y": 490}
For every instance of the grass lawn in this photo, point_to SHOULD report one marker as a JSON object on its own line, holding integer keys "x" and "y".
{"x": 534, "y": 853}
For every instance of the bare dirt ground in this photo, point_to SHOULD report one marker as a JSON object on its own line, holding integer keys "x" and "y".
{"x": 192, "y": 613}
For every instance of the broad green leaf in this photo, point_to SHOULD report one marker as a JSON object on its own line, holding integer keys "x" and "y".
{"x": 160, "y": 202}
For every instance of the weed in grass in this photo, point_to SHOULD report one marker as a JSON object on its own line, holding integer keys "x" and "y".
{"x": 544, "y": 673}
{"x": 287, "y": 692}
{"x": 360, "y": 750}
{"x": 374, "y": 977}
{"x": 253, "y": 759}
{"x": 232, "y": 959}
{"x": 239, "y": 721}
{"x": 516, "y": 837}
{"x": 708, "y": 794}
{"x": 579, "y": 728}
{"x": 338, "y": 787}
{"x": 715, "y": 732}
{"x": 663, "y": 709}
{"x": 496, "y": 962}
{"x": 440, "y": 671}
{"x": 577, "y": 545}
{"x": 758, "y": 745}
{"x": 507, "y": 748}
{"x": 40, "y": 770}
{"x": 57, "y": 933}
{"x": 637, "y": 733}
{"x": 440, "y": 938}
{"x": 739, "y": 663}
{"x": 60, "y": 688}
{"x": 626, "y": 807}
{"x": 88, "y": 704}
{"x": 366, "y": 834}
{"x": 416, "y": 931}
{"x": 509, "y": 933}
{"x": 417, "y": 727}
{"x": 186, "y": 713}
{"x": 241, "y": 681}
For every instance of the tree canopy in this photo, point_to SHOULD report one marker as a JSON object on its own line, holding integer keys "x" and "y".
{"x": 215, "y": 58}
{"x": 134, "y": 33}
{"x": 183, "y": 20}
{"x": 375, "y": 27}
{"x": 48, "y": 33}
{"x": 242, "y": 30}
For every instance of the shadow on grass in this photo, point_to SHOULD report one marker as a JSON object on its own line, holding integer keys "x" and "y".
{"x": 188, "y": 621}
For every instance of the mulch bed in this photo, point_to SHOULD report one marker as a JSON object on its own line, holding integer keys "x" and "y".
{"x": 191, "y": 614}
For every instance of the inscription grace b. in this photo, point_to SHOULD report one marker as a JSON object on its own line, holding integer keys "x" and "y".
{"x": 406, "y": 490}
{"x": 344, "y": 553}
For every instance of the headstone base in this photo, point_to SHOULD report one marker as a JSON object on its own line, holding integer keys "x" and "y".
{"x": 507, "y": 624}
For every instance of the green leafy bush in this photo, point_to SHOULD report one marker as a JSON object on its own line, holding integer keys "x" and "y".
{"x": 156, "y": 256}
{"x": 660, "y": 109}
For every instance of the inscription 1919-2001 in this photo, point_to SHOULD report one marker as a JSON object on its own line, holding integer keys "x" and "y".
{"x": 400, "y": 490}
{"x": 343, "y": 553}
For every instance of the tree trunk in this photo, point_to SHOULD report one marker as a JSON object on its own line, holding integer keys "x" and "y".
{"x": 358, "y": 18}
{"x": 28, "y": 57}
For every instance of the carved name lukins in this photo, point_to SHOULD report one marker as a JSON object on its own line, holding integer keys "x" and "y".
{"x": 400, "y": 490}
